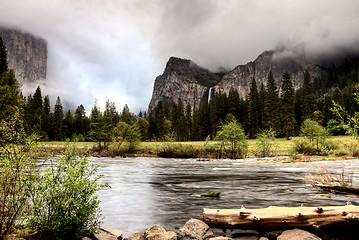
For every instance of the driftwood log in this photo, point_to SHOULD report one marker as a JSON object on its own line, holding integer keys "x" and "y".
{"x": 338, "y": 189}
{"x": 282, "y": 217}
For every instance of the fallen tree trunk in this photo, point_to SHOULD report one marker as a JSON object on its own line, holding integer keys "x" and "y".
{"x": 281, "y": 217}
{"x": 338, "y": 189}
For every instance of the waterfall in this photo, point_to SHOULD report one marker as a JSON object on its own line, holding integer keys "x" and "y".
{"x": 210, "y": 95}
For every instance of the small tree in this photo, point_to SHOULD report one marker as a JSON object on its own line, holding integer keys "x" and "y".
{"x": 350, "y": 123}
{"x": 133, "y": 137}
{"x": 313, "y": 131}
{"x": 232, "y": 134}
{"x": 265, "y": 143}
{"x": 18, "y": 169}
{"x": 65, "y": 204}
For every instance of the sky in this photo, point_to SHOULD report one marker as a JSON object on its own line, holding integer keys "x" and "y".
{"x": 101, "y": 50}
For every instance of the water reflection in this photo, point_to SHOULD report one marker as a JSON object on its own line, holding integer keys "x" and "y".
{"x": 147, "y": 191}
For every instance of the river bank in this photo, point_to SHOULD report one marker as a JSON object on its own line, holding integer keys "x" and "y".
{"x": 195, "y": 229}
{"x": 281, "y": 150}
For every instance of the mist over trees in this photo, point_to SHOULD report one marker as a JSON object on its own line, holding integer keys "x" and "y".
{"x": 281, "y": 110}
{"x": 267, "y": 107}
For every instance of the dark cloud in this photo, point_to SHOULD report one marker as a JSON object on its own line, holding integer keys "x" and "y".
{"x": 109, "y": 49}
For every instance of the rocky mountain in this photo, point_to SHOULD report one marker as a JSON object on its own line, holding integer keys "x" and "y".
{"x": 192, "y": 83}
{"x": 183, "y": 79}
{"x": 27, "y": 54}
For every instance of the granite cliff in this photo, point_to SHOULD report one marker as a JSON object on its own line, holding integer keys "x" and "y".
{"x": 183, "y": 79}
{"x": 27, "y": 54}
{"x": 192, "y": 83}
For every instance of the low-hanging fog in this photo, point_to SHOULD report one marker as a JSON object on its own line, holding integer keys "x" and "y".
{"x": 114, "y": 49}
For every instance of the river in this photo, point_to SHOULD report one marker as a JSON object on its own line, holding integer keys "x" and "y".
{"x": 148, "y": 191}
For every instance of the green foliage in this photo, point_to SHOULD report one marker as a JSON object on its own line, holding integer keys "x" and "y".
{"x": 288, "y": 121}
{"x": 65, "y": 204}
{"x": 271, "y": 110}
{"x": 313, "y": 131}
{"x": 173, "y": 150}
{"x": 10, "y": 95}
{"x": 57, "y": 121}
{"x": 18, "y": 169}
{"x": 3, "y": 57}
{"x": 265, "y": 146}
{"x": 211, "y": 194}
{"x": 133, "y": 137}
{"x": 350, "y": 123}
{"x": 308, "y": 99}
{"x": 253, "y": 109}
{"x": 232, "y": 134}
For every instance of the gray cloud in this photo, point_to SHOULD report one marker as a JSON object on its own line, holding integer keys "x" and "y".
{"x": 114, "y": 49}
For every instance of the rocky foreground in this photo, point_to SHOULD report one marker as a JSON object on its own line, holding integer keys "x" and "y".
{"x": 195, "y": 229}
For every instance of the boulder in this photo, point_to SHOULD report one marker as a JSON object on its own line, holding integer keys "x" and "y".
{"x": 195, "y": 229}
{"x": 157, "y": 232}
{"x": 109, "y": 234}
{"x": 221, "y": 238}
{"x": 136, "y": 236}
{"x": 297, "y": 234}
{"x": 251, "y": 237}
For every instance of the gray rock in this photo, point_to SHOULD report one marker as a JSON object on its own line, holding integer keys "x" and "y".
{"x": 195, "y": 229}
{"x": 157, "y": 232}
{"x": 263, "y": 238}
{"x": 251, "y": 237}
{"x": 297, "y": 234}
{"x": 27, "y": 54}
{"x": 221, "y": 238}
{"x": 109, "y": 234}
{"x": 136, "y": 236}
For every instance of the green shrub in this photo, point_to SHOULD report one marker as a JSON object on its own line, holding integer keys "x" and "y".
{"x": 17, "y": 170}
{"x": 65, "y": 204}
{"x": 232, "y": 139}
{"x": 353, "y": 148}
{"x": 265, "y": 143}
{"x": 171, "y": 150}
{"x": 303, "y": 145}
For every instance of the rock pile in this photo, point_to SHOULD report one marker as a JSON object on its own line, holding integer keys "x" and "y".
{"x": 195, "y": 229}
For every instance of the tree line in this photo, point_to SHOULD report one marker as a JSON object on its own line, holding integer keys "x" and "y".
{"x": 280, "y": 109}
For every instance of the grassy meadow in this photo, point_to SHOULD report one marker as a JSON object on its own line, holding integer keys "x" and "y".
{"x": 280, "y": 147}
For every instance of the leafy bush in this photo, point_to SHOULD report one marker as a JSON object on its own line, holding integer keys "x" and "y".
{"x": 353, "y": 148}
{"x": 313, "y": 131}
{"x": 178, "y": 151}
{"x": 232, "y": 134}
{"x": 17, "y": 170}
{"x": 65, "y": 204}
{"x": 265, "y": 143}
{"x": 303, "y": 145}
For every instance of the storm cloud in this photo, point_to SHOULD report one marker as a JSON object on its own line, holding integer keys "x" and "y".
{"x": 107, "y": 49}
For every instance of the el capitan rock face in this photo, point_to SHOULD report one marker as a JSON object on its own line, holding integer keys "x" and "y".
{"x": 27, "y": 54}
{"x": 186, "y": 80}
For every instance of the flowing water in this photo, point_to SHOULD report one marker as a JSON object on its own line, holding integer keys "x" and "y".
{"x": 148, "y": 191}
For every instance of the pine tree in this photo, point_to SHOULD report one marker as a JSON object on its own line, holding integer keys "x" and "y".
{"x": 10, "y": 96}
{"x": 46, "y": 123}
{"x": 58, "y": 117}
{"x": 80, "y": 120}
{"x": 287, "y": 106}
{"x": 68, "y": 125}
{"x": 308, "y": 98}
{"x": 253, "y": 109}
{"x": 271, "y": 111}
{"x": 262, "y": 101}
{"x": 188, "y": 121}
{"x": 3, "y": 58}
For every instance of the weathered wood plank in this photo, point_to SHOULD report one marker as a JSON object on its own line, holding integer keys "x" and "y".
{"x": 281, "y": 217}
